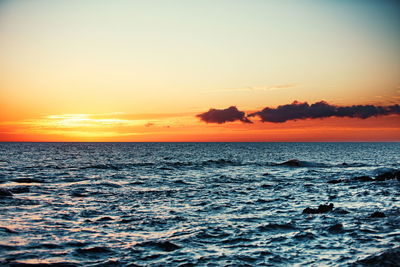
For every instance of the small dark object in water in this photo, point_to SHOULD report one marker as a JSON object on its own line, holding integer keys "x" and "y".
{"x": 363, "y": 179}
{"x": 321, "y": 209}
{"x": 325, "y": 208}
{"x": 292, "y": 163}
{"x": 77, "y": 194}
{"x": 266, "y": 186}
{"x": 4, "y": 192}
{"x": 310, "y": 211}
{"x": 266, "y": 174}
{"x": 336, "y": 228}
{"x": 334, "y": 181}
{"x": 27, "y": 180}
{"x": 377, "y": 214}
{"x": 102, "y": 219}
{"x": 167, "y": 246}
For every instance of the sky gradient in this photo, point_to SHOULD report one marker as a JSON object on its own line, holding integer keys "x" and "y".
{"x": 142, "y": 70}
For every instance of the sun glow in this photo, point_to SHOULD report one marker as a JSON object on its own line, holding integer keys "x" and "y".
{"x": 94, "y": 127}
{"x": 86, "y": 121}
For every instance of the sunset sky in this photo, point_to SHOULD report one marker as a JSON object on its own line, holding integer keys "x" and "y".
{"x": 73, "y": 70}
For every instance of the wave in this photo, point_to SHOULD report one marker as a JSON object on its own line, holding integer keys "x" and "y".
{"x": 165, "y": 165}
{"x": 383, "y": 170}
{"x": 378, "y": 175}
{"x": 312, "y": 164}
{"x": 117, "y": 166}
{"x": 171, "y": 165}
{"x": 160, "y": 245}
{"x": 277, "y": 227}
{"x": 301, "y": 163}
{"x": 93, "y": 250}
{"x": 390, "y": 257}
{"x": 205, "y": 163}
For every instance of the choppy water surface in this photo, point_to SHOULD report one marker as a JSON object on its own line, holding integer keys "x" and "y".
{"x": 94, "y": 204}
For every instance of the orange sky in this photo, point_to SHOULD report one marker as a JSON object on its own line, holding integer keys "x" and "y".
{"x": 141, "y": 71}
{"x": 185, "y": 127}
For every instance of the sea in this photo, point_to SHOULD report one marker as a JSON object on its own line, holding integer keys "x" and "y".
{"x": 199, "y": 204}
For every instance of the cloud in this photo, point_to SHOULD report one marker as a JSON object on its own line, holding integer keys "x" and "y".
{"x": 223, "y": 115}
{"x": 322, "y": 109}
{"x": 299, "y": 111}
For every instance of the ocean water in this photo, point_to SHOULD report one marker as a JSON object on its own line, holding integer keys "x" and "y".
{"x": 196, "y": 204}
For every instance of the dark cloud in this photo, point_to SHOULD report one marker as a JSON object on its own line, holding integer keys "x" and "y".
{"x": 298, "y": 111}
{"x": 223, "y": 115}
{"x": 322, "y": 109}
